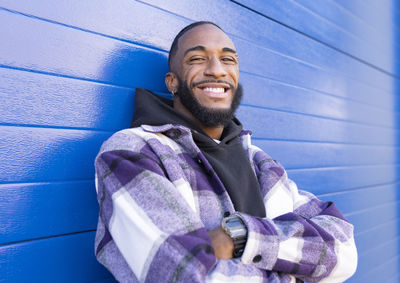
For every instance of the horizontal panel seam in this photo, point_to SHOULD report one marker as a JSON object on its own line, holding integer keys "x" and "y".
{"x": 57, "y": 127}
{"x": 4, "y": 245}
{"x": 15, "y": 183}
{"x": 372, "y": 269}
{"x": 319, "y": 116}
{"x": 10, "y": 185}
{"x": 378, "y": 247}
{"x": 364, "y": 188}
{"x": 325, "y": 142}
{"x": 355, "y": 166}
{"x": 118, "y": 129}
{"x": 350, "y": 189}
{"x": 64, "y": 76}
{"x": 377, "y": 227}
{"x": 372, "y": 208}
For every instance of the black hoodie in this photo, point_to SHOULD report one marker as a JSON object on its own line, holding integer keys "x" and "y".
{"x": 228, "y": 158}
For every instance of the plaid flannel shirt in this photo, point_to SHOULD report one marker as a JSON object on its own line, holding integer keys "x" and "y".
{"x": 158, "y": 197}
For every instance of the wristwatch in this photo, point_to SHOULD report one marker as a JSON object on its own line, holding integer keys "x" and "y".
{"x": 236, "y": 229}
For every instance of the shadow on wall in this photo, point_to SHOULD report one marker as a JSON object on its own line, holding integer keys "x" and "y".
{"x": 129, "y": 68}
{"x": 51, "y": 167}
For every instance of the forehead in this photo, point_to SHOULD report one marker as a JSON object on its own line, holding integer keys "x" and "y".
{"x": 209, "y": 36}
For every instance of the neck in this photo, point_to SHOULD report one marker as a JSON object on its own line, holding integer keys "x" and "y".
{"x": 212, "y": 132}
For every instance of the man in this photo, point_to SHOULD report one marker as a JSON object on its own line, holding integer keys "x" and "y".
{"x": 185, "y": 197}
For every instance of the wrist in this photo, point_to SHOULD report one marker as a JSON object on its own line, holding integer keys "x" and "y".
{"x": 222, "y": 243}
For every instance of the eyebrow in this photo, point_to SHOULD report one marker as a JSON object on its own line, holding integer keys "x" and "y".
{"x": 202, "y": 48}
{"x": 194, "y": 48}
{"x": 227, "y": 49}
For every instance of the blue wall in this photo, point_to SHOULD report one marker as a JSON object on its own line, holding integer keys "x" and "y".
{"x": 321, "y": 82}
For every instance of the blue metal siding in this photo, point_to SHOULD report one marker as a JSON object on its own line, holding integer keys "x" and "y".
{"x": 321, "y": 81}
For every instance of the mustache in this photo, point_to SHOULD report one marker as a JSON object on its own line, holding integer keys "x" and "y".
{"x": 194, "y": 84}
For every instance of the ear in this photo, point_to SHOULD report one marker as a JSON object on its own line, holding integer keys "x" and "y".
{"x": 171, "y": 81}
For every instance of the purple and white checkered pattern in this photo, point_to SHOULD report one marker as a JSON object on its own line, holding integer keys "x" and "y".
{"x": 159, "y": 196}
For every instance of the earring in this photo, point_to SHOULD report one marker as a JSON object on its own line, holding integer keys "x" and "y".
{"x": 173, "y": 92}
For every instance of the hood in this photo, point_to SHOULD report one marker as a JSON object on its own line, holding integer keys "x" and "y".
{"x": 152, "y": 109}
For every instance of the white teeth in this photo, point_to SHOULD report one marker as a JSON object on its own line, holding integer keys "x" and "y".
{"x": 214, "y": 89}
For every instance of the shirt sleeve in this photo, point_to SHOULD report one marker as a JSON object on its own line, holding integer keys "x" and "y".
{"x": 149, "y": 219}
{"x": 313, "y": 241}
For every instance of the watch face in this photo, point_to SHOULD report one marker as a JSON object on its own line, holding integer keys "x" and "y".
{"x": 235, "y": 227}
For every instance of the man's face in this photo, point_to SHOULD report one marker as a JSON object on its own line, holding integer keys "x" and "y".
{"x": 207, "y": 64}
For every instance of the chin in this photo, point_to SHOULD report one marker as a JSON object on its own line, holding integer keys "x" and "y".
{"x": 217, "y": 106}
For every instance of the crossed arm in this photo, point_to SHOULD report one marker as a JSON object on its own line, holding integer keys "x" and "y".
{"x": 162, "y": 238}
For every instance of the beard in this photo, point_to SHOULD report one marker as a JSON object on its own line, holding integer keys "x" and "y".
{"x": 207, "y": 116}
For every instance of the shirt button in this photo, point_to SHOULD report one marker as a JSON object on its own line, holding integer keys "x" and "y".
{"x": 199, "y": 161}
{"x": 176, "y": 133}
{"x": 209, "y": 250}
{"x": 257, "y": 258}
{"x": 227, "y": 213}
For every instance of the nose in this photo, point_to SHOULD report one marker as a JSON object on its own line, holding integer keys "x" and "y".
{"x": 215, "y": 68}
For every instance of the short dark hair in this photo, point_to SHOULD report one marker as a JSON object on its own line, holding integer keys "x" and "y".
{"x": 174, "y": 45}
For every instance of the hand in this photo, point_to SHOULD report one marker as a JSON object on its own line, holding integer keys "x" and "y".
{"x": 222, "y": 243}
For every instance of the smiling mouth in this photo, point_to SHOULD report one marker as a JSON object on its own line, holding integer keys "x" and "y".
{"x": 215, "y": 92}
{"x": 211, "y": 89}
{"x": 217, "y": 87}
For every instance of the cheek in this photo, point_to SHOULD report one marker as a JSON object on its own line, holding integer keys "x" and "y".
{"x": 235, "y": 73}
{"x": 192, "y": 74}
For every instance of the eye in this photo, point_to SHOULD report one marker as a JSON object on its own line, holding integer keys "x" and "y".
{"x": 196, "y": 59}
{"x": 228, "y": 60}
